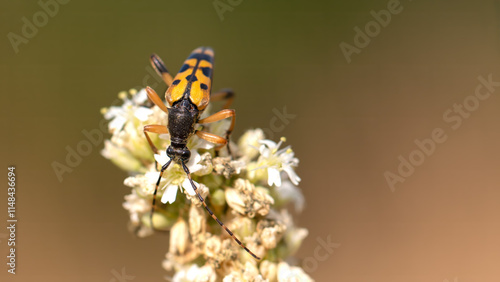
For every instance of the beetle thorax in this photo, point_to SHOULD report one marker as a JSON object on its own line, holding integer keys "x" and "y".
{"x": 181, "y": 119}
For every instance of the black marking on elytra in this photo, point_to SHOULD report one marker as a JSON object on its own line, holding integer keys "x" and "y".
{"x": 187, "y": 90}
{"x": 204, "y": 86}
{"x": 175, "y": 82}
{"x": 184, "y": 68}
{"x": 191, "y": 77}
{"x": 193, "y": 55}
{"x": 206, "y": 57}
{"x": 207, "y": 71}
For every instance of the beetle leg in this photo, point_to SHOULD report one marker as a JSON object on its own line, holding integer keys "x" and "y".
{"x": 212, "y": 138}
{"x": 161, "y": 69}
{"x": 156, "y": 99}
{"x": 226, "y": 113}
{"x": 154, "y": 128}
{"x": 220, "y": 115}
{"x": 224, "y": 94}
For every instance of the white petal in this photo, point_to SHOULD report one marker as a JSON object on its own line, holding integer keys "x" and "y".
{"x": 143, "y": 113}
{"x": 283, "y": 151}
{"x": 273, "y": 176}
{"x": 117, "y": 123}
{"x": 113, "y": 112}
{"x": 192, "y": 272}
{"x": 270, "y": 144}
{"x": 287, "y": 273}
{"x": 193, "y": 162}
{"x": 162, "y": 158}
{"x": 152, "y": 176}
{"x": 203, "y": 144}
{"x": 293, "y": 176}
{"x": 266, "y": 148}
{"x": 288, "y": 191}
{"x": 195, "y": 158}
{"x": 170, "y": 194}
{"x": 140, "y": 97}
{"x": 107, "y": 152}
{"x": 264, "y": 151}
{"x": 187, "y": 186}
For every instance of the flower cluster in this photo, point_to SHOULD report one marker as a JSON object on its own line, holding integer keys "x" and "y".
{"x": 249, "y": 190}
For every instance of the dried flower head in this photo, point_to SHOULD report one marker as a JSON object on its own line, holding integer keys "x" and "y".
{"x": 248, "y": 200}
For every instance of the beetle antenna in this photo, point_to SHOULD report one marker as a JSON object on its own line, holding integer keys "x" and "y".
{"x": 213, "y": 215}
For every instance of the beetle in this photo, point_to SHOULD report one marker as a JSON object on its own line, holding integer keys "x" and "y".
{"x": 187, "y": 96}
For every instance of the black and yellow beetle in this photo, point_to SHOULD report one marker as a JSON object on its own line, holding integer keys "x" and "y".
{"x": 188, "y": 94}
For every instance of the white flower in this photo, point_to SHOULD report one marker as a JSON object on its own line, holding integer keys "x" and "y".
{"x": 206, "y": 273}
{"x": 132, "y": 138}
{"x": 130, "y": 109}
{"x": 294, "y": 238}
{"x": 220, "y": 127}
{"x": 249, "y": 143}
{"x": 186, "y": 274}
{"x": 289, "y": 192}
{"x": 287, "y": 273}
{"x": 276, "y": 161}
{"x": 136, "y": 207}
{"x": 293, "y": 235}
{"x": 195, "y": 273}
{"x": 246, "y": 199}
{"x": 144, "y": 184}
{"x": 176, "y": 178}
{"x": 270, "y": 232}
{"x": 247, "y": 274}
{"x": 129, "y": 148}
{"x": 121, "y": 157}
{"x": 269, "y": 270}
{"x": 179, "y": 237}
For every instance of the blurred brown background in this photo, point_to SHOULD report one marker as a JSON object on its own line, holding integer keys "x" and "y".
{"x": 353, "y": 121}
